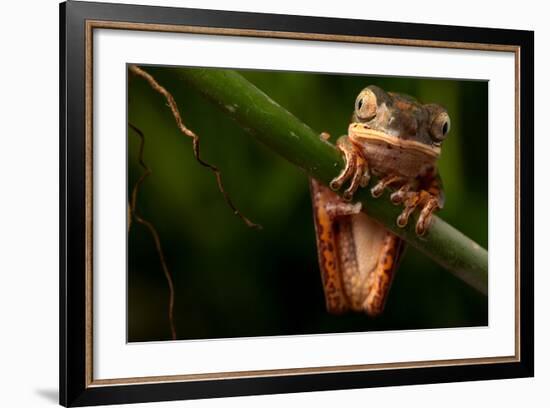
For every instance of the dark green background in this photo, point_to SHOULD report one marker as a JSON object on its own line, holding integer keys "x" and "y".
{"x": 233, "y": 281}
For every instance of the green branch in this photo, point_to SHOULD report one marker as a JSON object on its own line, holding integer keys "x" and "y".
{"x": 285, "y": 134}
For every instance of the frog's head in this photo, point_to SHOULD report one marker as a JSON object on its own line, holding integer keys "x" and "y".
{"x": 399, "y": 120}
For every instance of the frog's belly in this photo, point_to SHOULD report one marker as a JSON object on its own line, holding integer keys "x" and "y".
{"x": 383, "y": 158}
{"x": 359, "y": 242}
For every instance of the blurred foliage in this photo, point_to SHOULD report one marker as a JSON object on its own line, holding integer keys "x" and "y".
{"x": 233, "y": 281}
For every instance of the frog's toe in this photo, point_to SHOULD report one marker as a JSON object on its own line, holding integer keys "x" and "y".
{"x": 336, "y": 184}
{"x": 347, "y": 195}
{"x": 377, "y": 190}
{"x": 403, "y": 218}
{"x": 349, "y": 167}
{"x": 385, "y": 182}
{"x": 397, "y": 197}
{"x": 324, "y": 136}
{"x": 365, "y": 179}
{"x": 357, "y": 179}
{"x": 346, "y": 173}
{"x": 425, "y": 218}
{"x": 420, "y": 229}
{"x": 411, "y": 201}
{"x": 422, "y": 225}
{"x": 350, "y": 191}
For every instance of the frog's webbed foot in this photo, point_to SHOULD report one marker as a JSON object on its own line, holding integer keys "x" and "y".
{"x": 426, "y": 201}
{"x": 355, "y": 168}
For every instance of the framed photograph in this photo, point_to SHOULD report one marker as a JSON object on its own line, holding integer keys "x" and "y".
{"x": 255, "y": 203}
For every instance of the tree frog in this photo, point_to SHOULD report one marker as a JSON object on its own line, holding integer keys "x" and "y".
{"x": 397, "y": 139}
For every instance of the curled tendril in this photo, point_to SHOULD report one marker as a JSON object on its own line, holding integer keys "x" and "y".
{"x": 133, "y": 213}
{"x": 195, "y": 138}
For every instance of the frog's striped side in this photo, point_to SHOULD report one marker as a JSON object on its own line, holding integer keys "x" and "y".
{"x": 357, "y": 256}
{"x": 329, "y": 262}
{"x": 381, "y": 278}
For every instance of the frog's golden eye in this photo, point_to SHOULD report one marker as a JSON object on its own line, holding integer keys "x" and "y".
{"x": 366, "y": 105}
{"x": 441, "y": 126}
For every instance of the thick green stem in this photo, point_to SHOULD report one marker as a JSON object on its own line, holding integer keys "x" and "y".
{"x": 285, "y": 134}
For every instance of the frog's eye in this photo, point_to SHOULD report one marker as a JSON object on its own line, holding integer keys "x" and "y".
{"x": 366, "y": 105}
{"x": 441, "y": 126}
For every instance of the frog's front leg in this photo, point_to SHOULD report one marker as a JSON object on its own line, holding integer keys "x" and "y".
{"x": 429, "y": 198}
{"x": 432, "y": 183}
{"x": 355, "y": 168}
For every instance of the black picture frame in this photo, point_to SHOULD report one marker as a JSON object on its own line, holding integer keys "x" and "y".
{"x": 75, "y": 387}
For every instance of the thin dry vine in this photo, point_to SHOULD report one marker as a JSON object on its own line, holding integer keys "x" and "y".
{"x": 195, "y": 138}
{"x": 133, "y": 213}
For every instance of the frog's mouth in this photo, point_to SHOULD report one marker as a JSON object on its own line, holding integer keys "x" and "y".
{"x": 377, "y": 136}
